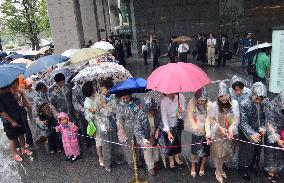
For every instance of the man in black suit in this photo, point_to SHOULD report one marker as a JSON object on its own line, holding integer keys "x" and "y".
{"x": 223, "y": 49}
{"x": 172, "y": 49}
{"x": 201, "y": 46}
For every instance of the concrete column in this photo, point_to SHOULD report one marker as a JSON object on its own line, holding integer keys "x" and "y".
{"x": 89, "y": 20}
{"x": 107, "y": 17}
{"x": 65, "y": 21}
{"x": 114, "y": 14}
{"x": 103, "y": 17}
{"x": 133, "y": 27}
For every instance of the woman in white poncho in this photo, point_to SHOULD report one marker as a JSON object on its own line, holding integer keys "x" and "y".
{"x": 221, "y": 125}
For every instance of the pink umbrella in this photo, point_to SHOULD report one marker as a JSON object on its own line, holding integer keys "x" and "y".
{"x": 177, "y": 77}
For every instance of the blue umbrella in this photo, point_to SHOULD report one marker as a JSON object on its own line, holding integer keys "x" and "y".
{"x": 132, "y": 85}
{"x": 14, "y": 56}
{"x": 3, "y": 54}
{"x": 10, "y": 72}
{"x": 44, "y": 63}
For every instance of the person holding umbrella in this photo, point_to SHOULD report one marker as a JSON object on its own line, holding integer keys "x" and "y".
{"x": 14, "y": 127}
{"x": 60, "y": 96}
{"x": 172, "y": 111}
{"x": 261, "y": 60}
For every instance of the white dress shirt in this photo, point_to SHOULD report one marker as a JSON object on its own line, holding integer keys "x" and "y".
{"x": 211, "y": 42}
{"x": 169, "y": 109}
{"x": 183, "y": 48}
{"x": 144, "y": 48}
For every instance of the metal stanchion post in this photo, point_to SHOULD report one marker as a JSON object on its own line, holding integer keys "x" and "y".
{"x": 136, "y": 179}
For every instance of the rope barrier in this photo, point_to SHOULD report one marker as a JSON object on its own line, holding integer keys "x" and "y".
{"x": 183, "y": 145}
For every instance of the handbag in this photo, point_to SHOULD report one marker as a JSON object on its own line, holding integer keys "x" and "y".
{"x": 252, "y": 67}
{"x": 91, "y": 129}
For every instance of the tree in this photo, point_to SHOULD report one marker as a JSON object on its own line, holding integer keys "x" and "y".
{"x": 231, "y": 14}
{"x": 26, "y": 17}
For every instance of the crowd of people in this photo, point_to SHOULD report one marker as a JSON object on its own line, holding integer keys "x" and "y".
{"x": 122, "y": 46}
{"x": 59, "y": 113}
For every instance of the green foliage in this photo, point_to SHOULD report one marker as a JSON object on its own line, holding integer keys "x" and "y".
{"x": 231, "y": 14}
{"x": 8, "y": 47}
{"x": 26, "y": 17}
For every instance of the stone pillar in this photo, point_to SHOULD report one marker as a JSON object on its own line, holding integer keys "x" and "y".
{"x": 66, "y": 27}
{"x": 114, "y": 14}
{"x": 102, "y": 11}
{"x": 89, "y": 20}
{"x": 133, "y": 27}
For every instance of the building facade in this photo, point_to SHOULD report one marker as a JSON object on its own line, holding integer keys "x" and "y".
{"x": 75, "y": 22}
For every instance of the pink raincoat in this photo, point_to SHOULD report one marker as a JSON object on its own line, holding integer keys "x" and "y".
{"x": 69, "y": 136}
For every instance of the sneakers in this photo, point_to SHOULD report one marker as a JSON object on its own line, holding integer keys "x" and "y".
{"x": 108, "y": 170}
{"x": 52, "y": 152}
{"x": 17, "y": 158}
{"x": 74, "y": 158}
{"x": 27, "y": 152}
{"x": 101, "y": 161}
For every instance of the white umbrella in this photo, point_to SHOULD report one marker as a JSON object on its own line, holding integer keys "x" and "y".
{"x": 103, "y": 70}
{"x": 259, "y": 46}
{"x": 43, "y": 49}
{"x": 70, "y": 52}
{"x": 103, "y": 45}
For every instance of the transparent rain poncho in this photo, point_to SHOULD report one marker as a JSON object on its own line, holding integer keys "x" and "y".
{"x": 252, "y": 115}
{"x": 246, "y": 91}
{"x": 194, "y": 123}
{"x": 227, "y": 118}
{"x": 274, "y": 159}
{"x": 232, "y": 117}
{"x": 194, "y": 120}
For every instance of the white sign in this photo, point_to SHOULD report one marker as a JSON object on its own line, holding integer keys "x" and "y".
{"x": 276, "y": 84}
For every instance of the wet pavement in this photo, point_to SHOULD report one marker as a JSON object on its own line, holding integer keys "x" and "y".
{"x": 45, "y": 168}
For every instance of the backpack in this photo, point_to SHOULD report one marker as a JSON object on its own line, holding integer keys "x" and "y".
{"x": 251, "y": 70}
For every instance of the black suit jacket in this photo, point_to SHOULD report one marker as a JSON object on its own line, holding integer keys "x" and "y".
{"x": 199, "y": 44}
{"x": 226, "y": 47}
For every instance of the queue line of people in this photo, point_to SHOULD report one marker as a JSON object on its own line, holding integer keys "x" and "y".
{"x": 61, "y": 112}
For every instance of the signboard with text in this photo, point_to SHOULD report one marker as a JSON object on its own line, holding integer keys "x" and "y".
{"x": 276, "y": 84}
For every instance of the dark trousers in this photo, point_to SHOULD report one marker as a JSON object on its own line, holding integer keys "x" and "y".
{"x": 156, "y": 63}
{"x": 248, "y": 155}
{"x": 128, "y": 52}
{"x": 28, "y": 134}
{"x": 183, "y": 57}
{"x": 173, "y": 58}
{"x": 221, "y": 57}
{"x": 54, "y": 143}
{"x": 83, "y": 128}
{"x": 256, "y": 78}
{"x": 145, "y": 56}
{"x": 201, "y": 56}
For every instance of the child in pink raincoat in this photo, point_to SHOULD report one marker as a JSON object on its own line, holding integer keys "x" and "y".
{"x": 69, "y": 137}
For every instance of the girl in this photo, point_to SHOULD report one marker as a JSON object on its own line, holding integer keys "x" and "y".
{"x": 195, "y": 123}
{"x": 221, "y": 123}
{"x": 69, "y": 137}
